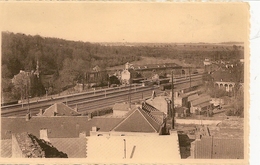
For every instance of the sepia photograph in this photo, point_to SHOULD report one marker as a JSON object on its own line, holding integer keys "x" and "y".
{"x": 109, "y": 82}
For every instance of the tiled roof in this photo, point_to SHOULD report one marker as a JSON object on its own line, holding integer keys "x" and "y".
{"x": 219, "y": 148}
{"x": 6, "y": 148}
{"x": 193, "y": 97}
{"x": 189, "y": 93}
{"x": 149, "y": 108}
{"x": 155, "y": 113}
{"x": 138, "y": 121}
{"x": 59, "y": 109}
{"x": 153, "y": 149}
{"x": 201, "y": 100}
{"x": 204, "y": 104}
{"x": 58, "y": 127}
{"x": 73, "y": 147}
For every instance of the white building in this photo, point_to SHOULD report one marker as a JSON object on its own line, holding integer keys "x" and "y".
{"x": 125, "y": 77}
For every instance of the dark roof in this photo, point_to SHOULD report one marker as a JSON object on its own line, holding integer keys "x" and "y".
{"x": 138, "y": 121}
{"x": 204, "y": 104}
{"x": 201, "y": 100}
{"x": 219, "y": 148}
{"x": 6, "y": 148}
{"x": 73, "y": 147}
{"x": 193, "y": 97}
{"x": 60, "y": 109}
{"x": 189, "y": 93}
{"x": 58, "y": 126}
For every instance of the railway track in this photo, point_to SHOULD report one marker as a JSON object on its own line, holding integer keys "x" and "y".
{"x": 109, "y": 98}
{"x": 93, "y": 100}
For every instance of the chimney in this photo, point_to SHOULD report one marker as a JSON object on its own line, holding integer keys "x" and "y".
{"x": 176, "y": 94}
{"x": 76, "y": 108}
{"x": 153, "y": 95}
{"x": 44, "y": 134}
{"x": 82, "y": 135}
{"x": 94, "y": 129}
{"x": 41, "y": 112}
{"x": 90, "y": 116}
{"x": 28, "y": 117}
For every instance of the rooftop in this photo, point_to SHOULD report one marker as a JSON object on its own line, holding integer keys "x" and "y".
{"x": 200, "y": 100}
{"x": 58, "y": 127}
{"x": 138, "y": 121}
{"x": 141, "y": 148}
{"x": 219, "y": 148}
{"x": 73, "y": 147}
{"x": 193, "y": 97}
{"x": 60, "y": 109}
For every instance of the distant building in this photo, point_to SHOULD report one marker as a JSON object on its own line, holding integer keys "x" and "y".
{"x": 226, "y": 79}
{"x": 96, "y": 69}
{"x": 58, "y": 109}
{"x": 162, "y": 103}
{"x": 207, "y": 62}
{"x": 201, "y": 104}
{"x": 181, "y": 111}
{"x": 125, "y": 77}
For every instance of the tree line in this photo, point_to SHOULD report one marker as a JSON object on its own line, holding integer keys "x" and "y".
{"x": 67, "y": 60}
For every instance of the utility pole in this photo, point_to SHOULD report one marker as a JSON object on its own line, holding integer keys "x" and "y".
{"x": 173, "y": 111}
{"x": 27, "y": 88}
{"x": 190, "y": 78}
{"x": 130, "y": 93}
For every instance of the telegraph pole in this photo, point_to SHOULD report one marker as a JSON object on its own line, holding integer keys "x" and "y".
{"x": 173, "y": 111}
{"x": 130, "y": 93}
{"x": 190, "y": 78}
{"x": 28, "y": 93}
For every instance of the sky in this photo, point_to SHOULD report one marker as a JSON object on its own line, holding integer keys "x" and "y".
{"x": 128, "y": 22}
